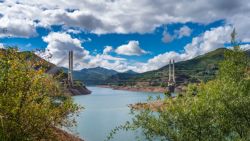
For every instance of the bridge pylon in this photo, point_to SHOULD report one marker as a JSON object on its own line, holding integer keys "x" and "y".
{"x": 70, "y": 70}
{"x": 171, "y": 76}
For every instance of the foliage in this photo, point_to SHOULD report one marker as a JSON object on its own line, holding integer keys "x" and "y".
{"x": 32, "y": 103}
{"x": 218, "y": 110}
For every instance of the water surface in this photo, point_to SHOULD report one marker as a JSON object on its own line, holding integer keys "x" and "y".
{"x": 104, "y": 110}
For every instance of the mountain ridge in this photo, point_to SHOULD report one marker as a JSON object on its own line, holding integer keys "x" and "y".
{"x": 201, "y": 68}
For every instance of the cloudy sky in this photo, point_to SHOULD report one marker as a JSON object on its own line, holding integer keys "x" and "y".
{"x": 123, "y": 35}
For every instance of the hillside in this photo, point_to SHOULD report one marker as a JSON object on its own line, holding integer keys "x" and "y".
{"x": 57, "y": 72}
{"x": 36, "y": 61}
{"x": 200, "y": 68}
{"x": 41, "y": 63}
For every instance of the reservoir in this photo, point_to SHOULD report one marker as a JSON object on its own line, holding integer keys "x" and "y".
{"x": 105, "y": 109}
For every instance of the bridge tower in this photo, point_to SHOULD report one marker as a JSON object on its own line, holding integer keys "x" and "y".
{"x": 70, "y": 70}
{"x": 173, "y": 73}
{"x": 171, "y": 77}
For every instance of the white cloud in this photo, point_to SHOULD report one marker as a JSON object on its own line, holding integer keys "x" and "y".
{"x": 73, "y": 31}
{"x": 209, "y": 41}
{"x": 77, "y": 18}
{"x": 60, "y": 43}
{"x": 123, "y": 16}
{"x": 12, "y": 27}
{"x": 166, "y": 37}
{"x": 130, "y": 49}
{"x": 21, "y": 18}
{"x": 107, "y": 61}
{"x": 107, "y": 49}
{"x": 1, "y": 45}
{"x": 245, "y": 47}
{"x": 184, "y": 31}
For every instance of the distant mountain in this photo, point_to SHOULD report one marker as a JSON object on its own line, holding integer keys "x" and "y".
{"x": 121, "y": 77}
{"x": 93, "y": 76}
{"x": 248, "y": 52}
{"x": 131, "y": 72}
{"x": 100, "y": 76}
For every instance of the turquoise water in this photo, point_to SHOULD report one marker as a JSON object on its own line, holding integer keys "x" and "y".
{"x": 104, "y": 110}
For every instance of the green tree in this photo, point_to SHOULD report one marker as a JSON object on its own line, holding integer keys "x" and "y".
{"x": 32, "y": 103}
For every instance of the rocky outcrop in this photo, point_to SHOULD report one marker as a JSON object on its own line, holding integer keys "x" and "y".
{"x": 62, "y": 135}
{"x": 79, "y": 90}
{"x": 137, "y": 89}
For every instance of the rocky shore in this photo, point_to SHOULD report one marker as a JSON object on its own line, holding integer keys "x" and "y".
{"x": 79, "y": 90}
{"x": 137, "y": 89}
{"x": 65, "y": 136}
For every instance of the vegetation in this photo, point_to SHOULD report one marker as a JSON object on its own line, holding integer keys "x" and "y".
{"x": 201, "y": 68}
{"x": 218, "y": 110}
{"x": 32, "y": 103}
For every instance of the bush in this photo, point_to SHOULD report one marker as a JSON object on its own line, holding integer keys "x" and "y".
{"x": 32, "y": 103}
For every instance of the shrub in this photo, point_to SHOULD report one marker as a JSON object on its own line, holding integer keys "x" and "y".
{"x": 32, "y": 103}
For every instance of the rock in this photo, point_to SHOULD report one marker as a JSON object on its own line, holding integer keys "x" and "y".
{"x": 77, "y": 90}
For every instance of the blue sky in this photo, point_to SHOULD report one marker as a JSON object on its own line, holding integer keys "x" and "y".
{"x": 118, "y": 34}
{"x": 151, "y": 42}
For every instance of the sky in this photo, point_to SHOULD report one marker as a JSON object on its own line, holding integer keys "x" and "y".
{"x": 122, "y": 35}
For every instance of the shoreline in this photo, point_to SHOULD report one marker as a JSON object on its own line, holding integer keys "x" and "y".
{"x": 135, "y": 89}
{"x": 66, "y": 136}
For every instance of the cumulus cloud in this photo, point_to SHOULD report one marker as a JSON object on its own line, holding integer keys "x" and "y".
{"x": 77, "y": 18}
{"x": 130, "y": 49}
{"x": 166, "y": 37}
{"x": 184, "y": 31}
{"x": 107, "y": 61}
{"x": 11, "y": 27}
{"x": 1, "y": 45}
{"x": 124, "y": 17}
{"x": 245, "y": 47}
{"x": 73, "y": 31}
{"x": 60, "y": 43}
{"x": 208, "y": 41}
{"x": 22, "y": 17}
{"x": 107, "y": 49}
